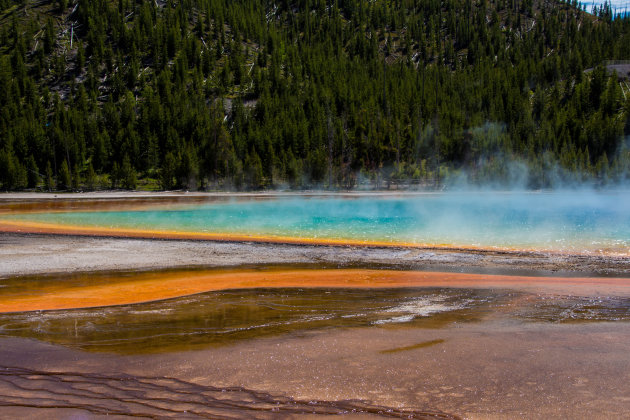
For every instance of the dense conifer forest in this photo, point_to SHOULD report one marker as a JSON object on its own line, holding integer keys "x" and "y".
{"x": 252, "y": 94}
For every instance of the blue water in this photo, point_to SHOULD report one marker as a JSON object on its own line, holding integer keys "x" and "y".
{"x": 569, "y": 221}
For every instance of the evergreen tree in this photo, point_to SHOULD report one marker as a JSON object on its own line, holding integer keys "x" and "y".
{"x": 49, "y": 183}
{"x": 64, "y": 179}
{"x": 90, "y": 178}
{"x": 199, "y": 93}
{"x": 128, "y": 175}
{"x": 167, "y": 171}
{"x": 33, "y": 172}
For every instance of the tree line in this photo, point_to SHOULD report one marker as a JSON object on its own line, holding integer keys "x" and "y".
{"x": 251, "y": 94}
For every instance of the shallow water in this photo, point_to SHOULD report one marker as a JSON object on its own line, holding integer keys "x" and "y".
{"x": 226, "y": 317}
{"x": 510, "y": 346}
{"x": 567, "y": 309}
{"x": 220, "y": 318}
{"x": 571, "y": 222}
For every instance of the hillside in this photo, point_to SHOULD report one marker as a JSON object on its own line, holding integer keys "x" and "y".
{"x": 249, "y": 94}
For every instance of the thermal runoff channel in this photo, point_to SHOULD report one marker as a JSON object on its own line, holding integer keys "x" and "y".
{"x": 574, "y": 222}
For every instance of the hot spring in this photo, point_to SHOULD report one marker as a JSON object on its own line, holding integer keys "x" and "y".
{"x": 332, "y": 329}
{"x": 571, "y": 222}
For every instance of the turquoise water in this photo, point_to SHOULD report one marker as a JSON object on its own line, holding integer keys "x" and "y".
{"x": 571, "y": 221}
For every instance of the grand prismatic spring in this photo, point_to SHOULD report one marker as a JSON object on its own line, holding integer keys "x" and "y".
{"x": 569, "y": 222}
{"x": 459, "y": 305}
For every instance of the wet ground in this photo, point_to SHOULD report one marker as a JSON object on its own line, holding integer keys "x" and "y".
{"x": 222, "y": 318}
{"x": 428, "y": 352}
{"x": 107, "y": 288}
{"x": 225, "y": 317}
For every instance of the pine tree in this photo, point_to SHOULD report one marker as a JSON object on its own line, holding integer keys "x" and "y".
{"x": 64, "y": 179}
{"x": 33, "y": 172}
{"x": 49, "y": 183}
{"x": 167, "y": 171}
{"x": 90, "y": 178}
{"x": 128, "y": 175}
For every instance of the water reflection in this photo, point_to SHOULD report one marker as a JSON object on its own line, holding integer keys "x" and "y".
{"x": 218, "y": 318}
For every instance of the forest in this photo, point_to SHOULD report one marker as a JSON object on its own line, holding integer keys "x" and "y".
{"x": 324, "y": 94}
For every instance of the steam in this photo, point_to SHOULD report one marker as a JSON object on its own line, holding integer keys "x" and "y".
{"x": 570, "y": 220}
{"x": 502, "y": 170}
{"x": 483, "y": 162}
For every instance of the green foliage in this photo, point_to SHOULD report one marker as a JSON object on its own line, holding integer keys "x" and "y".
{"x": 90, "y": 178}
{"x": 13, "y": 174}
{"x": 76, "y": 177}
{"x": 256, "y": 94}
{"x": 254, "y": 171}
{"x": 167, "y": 172}
{"x": 115, "y": 175}
{"x": 188, "y": 170}
{"x": 32, "y": 172}
{"x": 128, "y": 175}
{"x": 49, "y": 182}
{"x": 64, "y": 181}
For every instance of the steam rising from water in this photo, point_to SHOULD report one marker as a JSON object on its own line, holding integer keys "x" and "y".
{"x": 567, "y": 221}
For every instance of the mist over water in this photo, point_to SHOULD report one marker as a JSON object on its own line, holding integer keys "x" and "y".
{"x": 565, "y": 221}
